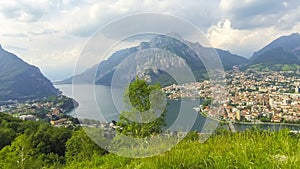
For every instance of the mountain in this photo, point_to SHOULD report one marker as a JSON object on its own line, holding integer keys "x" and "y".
{"x": 275, "y": 56}
{"x": 284, "y": 50}
{"x": 177, "y": 46}
{"x": 228, "y": 59}
{"x": 290, "y": 43}
{"x": 103, "y": 68}
{"x": 21, "y": 81}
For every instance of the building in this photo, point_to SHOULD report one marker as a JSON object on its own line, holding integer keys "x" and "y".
{"x": 28, "y": 117}
{"x": 276, "y": 119}
{"x": 297, "y": 89}
{"x": 235, "y": 68}
{"x": 60, "y": 121}
{"x": 238, "y": 115}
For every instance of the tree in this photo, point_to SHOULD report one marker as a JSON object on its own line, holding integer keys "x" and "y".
{"x": 80, "y": 147}
{"x": 20, "y": 154}
{"x": 48, "y": 139}
{"x": 147, "y": 110}
{"x": 6, "y": 136}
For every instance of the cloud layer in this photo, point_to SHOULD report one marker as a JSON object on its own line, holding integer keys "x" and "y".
{"x": 51, "y": 33}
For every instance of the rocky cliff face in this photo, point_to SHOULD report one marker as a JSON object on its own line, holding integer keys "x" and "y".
{"x": 162, "y": 45}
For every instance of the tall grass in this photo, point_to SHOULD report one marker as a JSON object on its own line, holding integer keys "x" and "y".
{"x": 249, "y": 149}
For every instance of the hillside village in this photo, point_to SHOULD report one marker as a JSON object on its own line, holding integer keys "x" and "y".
{"x": 53, "y": 110}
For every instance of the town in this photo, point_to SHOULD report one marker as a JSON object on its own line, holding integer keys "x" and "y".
{"x": 254, "y": 96}
{"x": 54, "y": 110}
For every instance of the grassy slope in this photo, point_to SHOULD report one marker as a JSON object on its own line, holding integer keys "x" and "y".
{"x": 250, "y": 149}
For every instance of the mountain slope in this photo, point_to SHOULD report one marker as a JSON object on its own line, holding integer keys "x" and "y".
{"x": 290, "y": 43}
{"x": 228, "y": 59}
{"x": 103, "y": 68}
{"x": 275, "y": 56}
{"x": 281, "y": 51}
{"x": 21, "y": 81}
{"x": 107, "y": 68}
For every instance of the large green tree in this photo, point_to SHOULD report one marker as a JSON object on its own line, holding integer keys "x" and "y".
{"x": 22, "y": 154}
{"x": 146, "y": 110}
{"x": 81, "y": 147}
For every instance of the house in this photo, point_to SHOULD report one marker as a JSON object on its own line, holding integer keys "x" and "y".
{"x": 60, "y": 121}
{"x": 28, "y": 117}
{"x": 276, "y": 119}
{"x": 55, "y": 111}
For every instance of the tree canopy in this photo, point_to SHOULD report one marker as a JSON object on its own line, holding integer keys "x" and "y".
{"x": 147, "y": 109}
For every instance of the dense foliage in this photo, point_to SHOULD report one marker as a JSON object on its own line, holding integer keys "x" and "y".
{"x": 147, "y": 111}
{"x": 26, "y": 144}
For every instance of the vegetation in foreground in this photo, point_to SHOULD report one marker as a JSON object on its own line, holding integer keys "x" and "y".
{"x": 37, "y": 145}
{"x": 250, "y": 149}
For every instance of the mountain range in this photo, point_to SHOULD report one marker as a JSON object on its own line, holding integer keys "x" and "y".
{"x": 21, "y": 81}
{"x": 284, "y": 50}
{"x": 105, "y": 69}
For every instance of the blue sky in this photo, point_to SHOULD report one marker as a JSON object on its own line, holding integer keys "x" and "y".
{"x": 51, "y": 33}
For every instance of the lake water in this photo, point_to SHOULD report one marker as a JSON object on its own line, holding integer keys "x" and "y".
{"x": 101, "y": 103}
{"x": 96, "y": 102}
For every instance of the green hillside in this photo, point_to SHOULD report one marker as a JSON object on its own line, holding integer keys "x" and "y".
{"x": 26, "y": 144}
{"x": 250, "y": 149}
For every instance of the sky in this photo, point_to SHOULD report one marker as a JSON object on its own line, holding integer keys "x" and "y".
{"x": 50, "y": 34}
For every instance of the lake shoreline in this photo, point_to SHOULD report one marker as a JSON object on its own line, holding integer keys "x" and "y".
{"x": 247, "y": 123}
{"x": 104, "y": 109}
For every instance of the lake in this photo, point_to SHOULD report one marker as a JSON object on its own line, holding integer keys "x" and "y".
{"x": 103, "y": 104}
{"x": 97, "y": 102}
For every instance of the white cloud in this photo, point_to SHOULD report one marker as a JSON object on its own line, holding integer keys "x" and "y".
{"x": 46, "y": 32}
{"x": 249, "y": 14}
{"x": 51, "y": 63}
{"x": 244, "y": 42}
{"x": 224, "y": 36}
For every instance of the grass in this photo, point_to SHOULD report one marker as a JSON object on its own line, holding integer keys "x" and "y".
{"x": 249, "y": 149}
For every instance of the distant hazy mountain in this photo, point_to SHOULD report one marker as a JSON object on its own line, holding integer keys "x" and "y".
{"x": 290, "y": 43}
{"x": 21, "y": 81}
{"x": 104, "y": 68}
{"x": 107, "y": 68}
{"x": 228, "y": 59}
{"x": 284, "y": 50}
{"x": 275, "y": 56}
